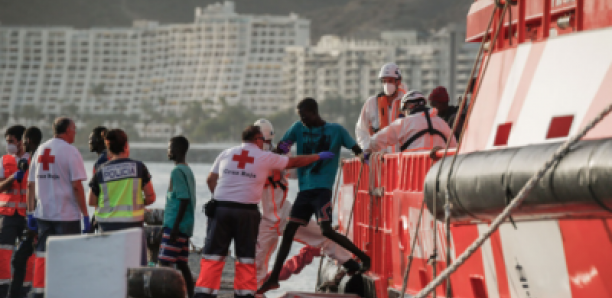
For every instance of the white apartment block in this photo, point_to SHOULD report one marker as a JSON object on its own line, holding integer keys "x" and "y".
{"x": 339, "y": 68}
{"x": 221, "y": 55}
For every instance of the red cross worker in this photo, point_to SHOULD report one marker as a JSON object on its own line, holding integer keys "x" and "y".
{"x": 236, "y": 181}
{"x": 55, "y": 188}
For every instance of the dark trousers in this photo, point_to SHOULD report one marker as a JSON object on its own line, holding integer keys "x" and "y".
{"x": 20, "y": 262}
{"x": 48, "y": 228}
{"x": 11, "y": 229}
{"x": 230, "y": 223}
{"x": 117, "y": 226}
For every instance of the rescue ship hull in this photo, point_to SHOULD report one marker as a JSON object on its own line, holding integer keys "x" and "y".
{"x": 545, "y": 77}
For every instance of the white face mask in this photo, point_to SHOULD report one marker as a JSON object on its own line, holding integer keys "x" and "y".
{"x": 267, "y": 147}
{"x": 389, "y": 88}
{"x": 11, "y": 148}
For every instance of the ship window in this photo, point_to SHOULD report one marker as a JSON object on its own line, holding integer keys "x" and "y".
{"x": 560, "y": 126}
{"x": 502, "y": 134}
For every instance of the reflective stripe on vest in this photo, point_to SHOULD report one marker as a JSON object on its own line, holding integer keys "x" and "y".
{"x": 13, "y": 199}
{"x": 121, "y": 201}
{"x": 12, "y": 205}
{"x": 15, "y": 192}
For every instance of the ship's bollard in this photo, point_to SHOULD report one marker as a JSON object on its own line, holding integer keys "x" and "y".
{"x": 156, "y": 283}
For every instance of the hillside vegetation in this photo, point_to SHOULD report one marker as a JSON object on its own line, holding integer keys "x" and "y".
{"x": 350, "y": 18}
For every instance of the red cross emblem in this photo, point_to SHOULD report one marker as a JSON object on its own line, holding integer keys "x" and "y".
{"x": 243, "y": 159}
{"x": 46, "y": 159}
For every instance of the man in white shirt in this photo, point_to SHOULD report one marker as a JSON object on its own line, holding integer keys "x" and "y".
{"x": 55, "y": 193}
{"x": 236, "y": 181}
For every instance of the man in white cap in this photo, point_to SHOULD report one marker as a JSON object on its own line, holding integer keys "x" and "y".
{"x": 420, "y": 128}
{"x": 382, "y": 109}
{"x": 275, "y": 211}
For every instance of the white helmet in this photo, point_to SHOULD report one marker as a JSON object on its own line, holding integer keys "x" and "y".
{"x": 266, "y": 129}
{"x": 390, "y": 70}
{"x": 413, "y": 96}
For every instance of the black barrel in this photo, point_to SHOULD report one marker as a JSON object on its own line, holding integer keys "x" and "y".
{"x": 482, "y": 183}
{"x": 156, "y": 283}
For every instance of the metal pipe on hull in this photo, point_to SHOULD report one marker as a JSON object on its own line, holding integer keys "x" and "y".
{"x": 482, "y": 183}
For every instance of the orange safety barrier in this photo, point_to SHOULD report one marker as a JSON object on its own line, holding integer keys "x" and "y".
{"x": 381, "y": 227}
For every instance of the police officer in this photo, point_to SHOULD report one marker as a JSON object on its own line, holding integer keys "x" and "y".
{"x": 117, "y": 188}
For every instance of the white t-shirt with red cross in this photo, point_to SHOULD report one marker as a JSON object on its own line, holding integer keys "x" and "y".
{"x": 243, "y": 171}
{"x": 54, "y": 167}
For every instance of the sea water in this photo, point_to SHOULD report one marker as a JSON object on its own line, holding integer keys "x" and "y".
{"x": 160, "y": 177}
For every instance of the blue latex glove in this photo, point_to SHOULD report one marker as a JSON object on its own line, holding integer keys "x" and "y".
{"x": 326, "y": 155}
{"x": 18, "y": 175}
{"x": 32, "y": 224}
{"x": 285, "y": 146}
{"x": 366, "y": 158}
{"x": 86, "y": 225}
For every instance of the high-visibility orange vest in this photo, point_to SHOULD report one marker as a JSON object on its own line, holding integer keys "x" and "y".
{"x": 14, "y": 198}
{"x": 383, "y": 103}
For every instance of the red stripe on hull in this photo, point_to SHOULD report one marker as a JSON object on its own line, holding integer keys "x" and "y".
{"x": 601, "y": 100}
{"x": 587, "y": 245}
{"x": 487, "y": 103}
{"x": 529, "y": 71}
{"x": 500, "y": 265}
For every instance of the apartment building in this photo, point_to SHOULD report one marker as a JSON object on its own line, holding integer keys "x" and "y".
{"x": 341, "y": 68}
{"x": 222, "y": 55}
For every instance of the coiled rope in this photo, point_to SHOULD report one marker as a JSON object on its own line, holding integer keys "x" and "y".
{"x": 520, "y": 197}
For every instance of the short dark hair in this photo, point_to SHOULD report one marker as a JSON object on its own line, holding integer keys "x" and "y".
{"x": 61, "y": 124}
{"x": 100, "y": 131}
{"x": 308, "y": 104}
{"x": 16, "y": 131}
{"x": 116, "y": 139}
{"x": 34, "y": 134}
{"x": 249, "y": 133}
{"x": 181, "y": 144}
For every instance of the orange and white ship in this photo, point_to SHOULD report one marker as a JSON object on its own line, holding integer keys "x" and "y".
{"x": 544, "y": 73}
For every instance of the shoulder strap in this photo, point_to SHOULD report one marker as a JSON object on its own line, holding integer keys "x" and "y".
{"x": 430, "y": 130}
